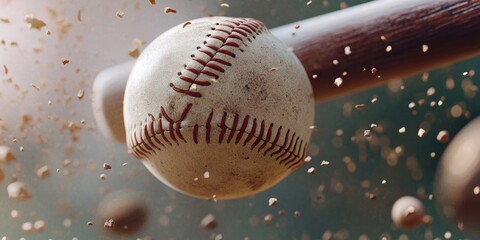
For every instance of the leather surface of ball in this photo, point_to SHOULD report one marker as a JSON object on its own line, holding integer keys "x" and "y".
{"x": 219, "y": 108}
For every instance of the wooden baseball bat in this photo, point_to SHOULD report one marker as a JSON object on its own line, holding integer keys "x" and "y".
{"x": 365, "y": 45}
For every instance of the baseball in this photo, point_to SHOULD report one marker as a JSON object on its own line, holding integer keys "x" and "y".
{"x": 218, "y": 108}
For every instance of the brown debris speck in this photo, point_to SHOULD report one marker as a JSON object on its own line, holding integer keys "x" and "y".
{"x": 27, "y": 227}
{"x": 35, "y": 86}
{"x": 338, "y": 81}
{"x": 79, "y": 15}
{"x": 5, "y": 70}
{"x": 268, "y": 219}
{"x": 80, "y": 94}
{"x": 120, "y": 14}
{"x": 208, "y": 222}
{"x": 39, "y": 225}
{"x": 109, "y": 223}
{"x": 296, "y": 26}
{"x": 424, "y": 48}
{"x": 370, "y": 196}
{"x": 107, "y": 166}
{"x": 134, "y": 52}
{"x": 43, "y": 172}
{"x": 65, "y": 61}
{"x": 360, "y": 106}
{"x": 421, "y": 132}
{"x": 443, "y": 136}
{"x": 152, "y": 2}
{"x": 4, "y": 20}
{"x": 366, "y": 133}
{"x": 348, "y": 50}
{"x": 309, "y": 3}
{"x": 272, "y": 202}
{"x": 18, "y": 191}
{"x": 169, "y": 10}
{"x": 6, "y": 154}
{"x": 185, "y": 24}
{"x": 34, "y": 23}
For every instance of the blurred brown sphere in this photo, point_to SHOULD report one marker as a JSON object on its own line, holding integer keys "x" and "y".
{"x": 407, "y": 212}
{"x": 458, "y": 178}
{"x": 122, "y": 212}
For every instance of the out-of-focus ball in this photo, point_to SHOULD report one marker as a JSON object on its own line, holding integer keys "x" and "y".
{"x": 458, "y": 178}
{"x": 122, "y": 212}
{"x": 219, "y": 108}
{"x": 18, "y": 191}
{"x": 407, "y": 212}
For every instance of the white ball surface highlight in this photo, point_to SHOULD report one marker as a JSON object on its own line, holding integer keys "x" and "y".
{"x": 220, "y": 95}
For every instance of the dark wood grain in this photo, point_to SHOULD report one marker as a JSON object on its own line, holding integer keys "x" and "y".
{"x": 450, "y": 29}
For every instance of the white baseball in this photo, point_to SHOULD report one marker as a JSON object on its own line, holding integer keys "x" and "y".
{"x": 219, "y": 108}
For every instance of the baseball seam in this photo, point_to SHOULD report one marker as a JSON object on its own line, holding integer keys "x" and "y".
{"x": 151, "y": 136}
{"x": 240, "y": 30}
{"x": 149, "y": 139}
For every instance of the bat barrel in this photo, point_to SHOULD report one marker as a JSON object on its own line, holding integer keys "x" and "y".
{"x": 395, "y": 38}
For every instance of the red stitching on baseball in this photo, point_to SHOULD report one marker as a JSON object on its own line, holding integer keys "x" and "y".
{"x": 152, "y": 129}
{"x": 274, "y": 141}
{"x": 291, "y": 157}
{"x": 244, "y": 27}
{"x": 293, "y": 160}
{"x": 187, "y": 92}
{"x": 262, "y": 129}
{"x": 210, "y": 54}
{"x": 195, "y": 134}
{"x": 288, "y": 148}
{"x": 149, "y": 139}
{"x": 219, "y": 60}
{"x": 242, "y": 129}
{"x": 222, "y": 39}
{"x": 252, "y": 132}
{"x": 267, "y": 139}
{"x": 223, "y": 127}
{"x": 234, "y": 128}
{"x": 285, "y": 141}
{"x": 208, "y": 128}
{"x": 161, "y": 131}
{"x": 291, "y": 152}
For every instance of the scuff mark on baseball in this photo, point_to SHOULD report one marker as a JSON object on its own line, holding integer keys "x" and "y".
{"x": 220, "y": 109}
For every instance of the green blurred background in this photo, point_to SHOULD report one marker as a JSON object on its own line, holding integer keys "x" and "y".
{"x": 332, "y": 203}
